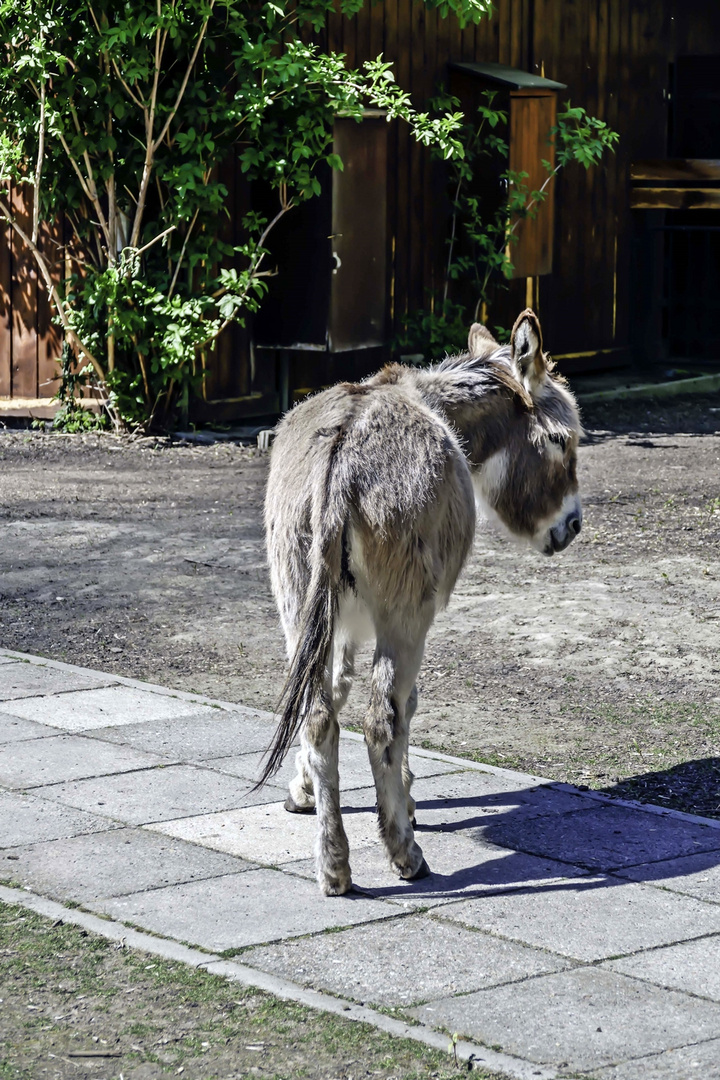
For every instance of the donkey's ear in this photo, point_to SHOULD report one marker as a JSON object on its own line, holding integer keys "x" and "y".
{"x": 481, "y": 343}
{"x": 527, "y": 349}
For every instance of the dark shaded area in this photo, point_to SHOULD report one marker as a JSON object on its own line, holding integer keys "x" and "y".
{"x": 688, "y": 414}
{"x": 692, "y": 786}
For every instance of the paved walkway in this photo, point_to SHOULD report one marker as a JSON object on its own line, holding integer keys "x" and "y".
{"x": 561, "y": 933}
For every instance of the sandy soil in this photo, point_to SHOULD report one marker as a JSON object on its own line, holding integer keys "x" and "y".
{"x": 600, "y": 666}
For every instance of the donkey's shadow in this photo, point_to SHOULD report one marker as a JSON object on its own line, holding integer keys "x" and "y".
{"x": 548, "y": 839}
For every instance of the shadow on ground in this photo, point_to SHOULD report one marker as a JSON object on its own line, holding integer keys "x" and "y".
{"x": 558, "y": 841}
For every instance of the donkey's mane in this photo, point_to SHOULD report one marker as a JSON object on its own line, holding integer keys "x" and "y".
{"x": 495, "y": 369}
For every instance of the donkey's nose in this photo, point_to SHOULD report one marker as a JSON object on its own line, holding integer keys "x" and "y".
{"x": 574, "y": 524}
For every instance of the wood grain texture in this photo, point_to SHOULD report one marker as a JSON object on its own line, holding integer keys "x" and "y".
{"x": 614, "y": 55}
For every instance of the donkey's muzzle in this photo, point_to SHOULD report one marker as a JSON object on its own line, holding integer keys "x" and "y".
{"x": 562, "y": 535}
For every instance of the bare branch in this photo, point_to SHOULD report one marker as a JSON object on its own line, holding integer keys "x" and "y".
{"x": 186, "y": 77}
{"x": 38, "y": 167}
{"x": 160, "y": 39}
{"x": 532, "y": 202}
{"x": 138, "y": 101}
{"x": 83, "y": 245}
{"x": 155, "y": 239}
{"x": 255, "y": 262}
{"x": 89, "y": 186}
{"x": 182, "y": 252}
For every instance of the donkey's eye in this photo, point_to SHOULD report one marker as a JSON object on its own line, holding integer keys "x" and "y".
{"x": 558, "y": 440}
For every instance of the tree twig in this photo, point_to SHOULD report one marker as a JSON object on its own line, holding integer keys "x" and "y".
{"x": 186, "y": 77}
{"x": 182, "y": 252}
{"x": 170, "y": 228}
{"x": 38, "y": 167}
{"x": 160, "y": 39}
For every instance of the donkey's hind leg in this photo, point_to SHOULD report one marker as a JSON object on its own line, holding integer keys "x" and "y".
{"x": 301, "y": 799}
{"x": 320, "y": 744}
{"x": 407, "y": 775}
{"x": 386, "y": 734}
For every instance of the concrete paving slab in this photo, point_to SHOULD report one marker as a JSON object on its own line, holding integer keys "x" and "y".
{"x": 24, "y": 680}
{"x": 267, "y": 833}
{"x": 7, "y": 659}
{"x": 462, "y": 866}
{"x": 409, "y": 961}
{"x": 25, "y": 819}
{"x": 242, "y": 909}
{"x": 694, "y": 875}
{"x": 581, "y": 1019}
{"x": 199, "y": 736}
{"x": 701, "y": 1061}
{"x": 158, "y": 794}
{"x": 354, "y": 766}
{"x": 589, "y": 918}
{"x": 17, "y": 728}
{"x": 84, "y": 710}
{"x": 604, "y": 838}
{"x": 693, "y": 966}
{"x": 66, "y": 757}
{"x": 115, "y": 863}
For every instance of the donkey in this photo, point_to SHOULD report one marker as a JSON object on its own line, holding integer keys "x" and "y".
{"x": 370, "y": 515}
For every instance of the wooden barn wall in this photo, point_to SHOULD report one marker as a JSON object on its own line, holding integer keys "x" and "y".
{"x": 614, "y": 56}
{"x": 29, "y": 342}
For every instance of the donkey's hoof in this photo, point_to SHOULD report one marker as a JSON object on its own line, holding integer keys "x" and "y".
{"x": 292, "y": 807}
{"x": 336, "y": 884}
{"x": 422, "y": 871}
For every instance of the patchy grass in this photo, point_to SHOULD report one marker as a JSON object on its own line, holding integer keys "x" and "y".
{"x": 68, "y": 992}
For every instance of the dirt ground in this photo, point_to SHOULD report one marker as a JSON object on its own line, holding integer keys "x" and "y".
{"x": 599, "y": 666}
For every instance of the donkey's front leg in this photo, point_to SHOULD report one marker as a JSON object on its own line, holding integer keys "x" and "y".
{"x": 386, "y": 734}
{"x": 321, "y": 737}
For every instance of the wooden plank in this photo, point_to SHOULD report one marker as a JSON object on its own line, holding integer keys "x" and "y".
{"x": 432, "y": 209}
{"x": 688, "y": 169}
{"x": 679, "y": 198}
{"x": 504, "y": 24}
{"x": 377, "y": 30}
{"x": 350, "y": 38}
{"x": 403, "y": 179}
{"x": 23, "y": 290}
{"x": 390, "y": 45}
{"x": 530, "y": 121}
{"x": 363, "y": 20}
{"x": 5, "y": 311}
{"x": 50, "y": 337}
{"x": 415, "y": 240}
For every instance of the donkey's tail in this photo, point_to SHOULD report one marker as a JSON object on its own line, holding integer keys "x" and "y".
{"x": 306, "y": 680}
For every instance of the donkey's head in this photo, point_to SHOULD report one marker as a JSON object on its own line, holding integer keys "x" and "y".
{"x": 532, "y": 483}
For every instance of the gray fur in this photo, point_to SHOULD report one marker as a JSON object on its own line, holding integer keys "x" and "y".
{"x": 370, "y": 515}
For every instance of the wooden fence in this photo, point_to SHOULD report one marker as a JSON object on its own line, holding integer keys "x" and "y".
{"x": 615, "y": 57}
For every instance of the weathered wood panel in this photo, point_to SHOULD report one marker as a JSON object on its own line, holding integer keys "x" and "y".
{"x": 49, "y": 336}
{"x": 24, "y": 306}
{"x": 5, "y": 312}
{"x": 615, "y": 56}
{"x": 531, "y": 118}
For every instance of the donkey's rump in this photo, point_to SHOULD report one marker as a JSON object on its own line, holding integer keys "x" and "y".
{"x": 372, "y": 463}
